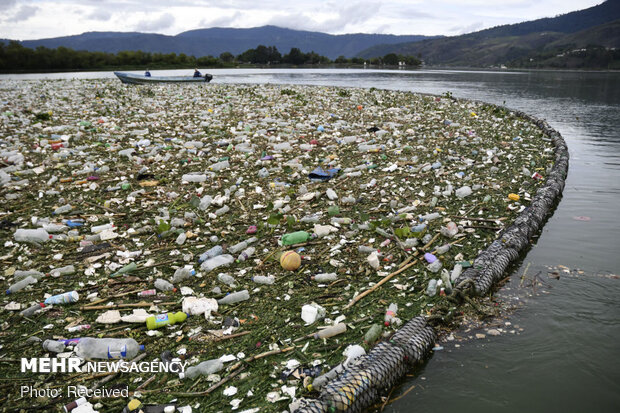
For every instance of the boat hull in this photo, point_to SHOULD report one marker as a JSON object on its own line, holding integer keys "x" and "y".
{"x": 133, "y": 79}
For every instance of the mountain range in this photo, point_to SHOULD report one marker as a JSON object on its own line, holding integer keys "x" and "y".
{"x": 544, "y": 40}
{"x": 214, "y": 41}
{"x": 598, "y": 25}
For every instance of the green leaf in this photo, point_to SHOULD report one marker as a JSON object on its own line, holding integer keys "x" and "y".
{"x": 290, "y": 221}
{"x": 195, "y": 201}
{"x": 274, "y": 219}
{"x": 402, "y": 232}
{"x": 163, "y": 226}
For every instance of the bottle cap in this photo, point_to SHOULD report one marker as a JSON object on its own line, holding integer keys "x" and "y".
{"x": 141, "y": 347}
{"x": 8, "y": 291}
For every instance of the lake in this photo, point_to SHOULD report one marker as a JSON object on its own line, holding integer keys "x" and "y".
{"x": 560, "y": 350}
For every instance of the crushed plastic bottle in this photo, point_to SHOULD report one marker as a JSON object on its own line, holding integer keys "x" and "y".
{"x": 203, "y": 369}
{"x": 32, "y": 235}
{"x": 216, "y": 262}
{"x": 235, "y": 297}
{"x": 107, "y": 348}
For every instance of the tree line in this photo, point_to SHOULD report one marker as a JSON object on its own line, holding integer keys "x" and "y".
{"x": 15, "y": 57}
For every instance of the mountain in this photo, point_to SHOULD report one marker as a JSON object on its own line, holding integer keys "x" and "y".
{"x": 214, "y": 41}
{"x": 504, "y": 44}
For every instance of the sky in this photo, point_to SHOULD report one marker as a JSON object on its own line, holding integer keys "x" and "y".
{"x": 36, "y": 19}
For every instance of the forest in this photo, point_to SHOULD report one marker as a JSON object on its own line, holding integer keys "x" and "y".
{"x": 14, "y": 57}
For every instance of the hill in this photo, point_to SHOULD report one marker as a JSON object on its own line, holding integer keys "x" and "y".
{"x": 505, "y": 44}
{"x": 214, "y": 41}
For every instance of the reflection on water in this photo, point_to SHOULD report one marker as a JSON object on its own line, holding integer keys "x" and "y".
{"x": 567, "y": 357}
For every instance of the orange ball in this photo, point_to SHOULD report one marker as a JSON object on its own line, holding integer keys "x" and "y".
{"x": 290, "y": 260}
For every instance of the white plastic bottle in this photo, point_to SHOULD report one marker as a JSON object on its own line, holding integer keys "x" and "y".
{"x": 31, "y": 235}
{"x": 219, "y": 261}
{"x": 21, "y": 274}
{"x": 107, "y": 348}
{"x": 246, "y": 253}
{"x": 261, "y": 279}
{"x": 213, "y": 252}
{"x": 325, "y": 277}
{"x": 220, "y": 166}
{"x": 54, "y": 346}
{"x": 21, "y": 284}
{"x": 205, "y": 368}
{"x": 235, "y": 297}
{"x": 182, "y": 274}
{"x": 163, "y": 285}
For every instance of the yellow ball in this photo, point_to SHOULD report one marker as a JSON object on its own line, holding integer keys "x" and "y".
{"x": 290, "y": 260}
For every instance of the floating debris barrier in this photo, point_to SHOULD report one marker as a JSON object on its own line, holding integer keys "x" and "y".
{"x": 244, "y": 207}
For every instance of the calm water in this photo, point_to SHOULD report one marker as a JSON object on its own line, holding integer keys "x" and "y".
{"x": 567, "y": 356}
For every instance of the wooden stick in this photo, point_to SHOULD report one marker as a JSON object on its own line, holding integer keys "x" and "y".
{"x": 390, "y": 276}
{"x": 101, "y": 300}
{"x": 140, "y": 304}
{"x": 479, "y": 219}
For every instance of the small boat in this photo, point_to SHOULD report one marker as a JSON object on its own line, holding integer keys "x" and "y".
{"x": 134, "y": 79}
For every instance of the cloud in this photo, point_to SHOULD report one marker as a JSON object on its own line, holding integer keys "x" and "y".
{"x": 100, "y": 14}
{"x": 466, "y": 29}
{"x": 353, "y": 15}
{"x": 24, "y": 13}
{"x": 223, "y": 21}
{"x": 163, "y": 22}
{"x": 7, "y": 4}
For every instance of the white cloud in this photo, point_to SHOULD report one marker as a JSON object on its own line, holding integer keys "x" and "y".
{"x": 100, "y": 14}
{"x": 24, "y": 13}
{"x": 222, "y": 21}
{"x": 162, "y": 22}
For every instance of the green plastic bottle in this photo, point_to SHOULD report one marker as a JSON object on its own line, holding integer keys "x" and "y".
{"x": 126, "y": 269}
{"x": 296, "y": 238}
{"x": 373, "y": 334}
{"x": 160, "y": 320}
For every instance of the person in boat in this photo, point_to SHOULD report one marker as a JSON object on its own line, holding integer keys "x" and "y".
{"x": 147, "y": 73}
{"x": 197, "y": 73}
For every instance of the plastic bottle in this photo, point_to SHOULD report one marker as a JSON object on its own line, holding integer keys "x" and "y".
{"x": 222, "y": 210}
{"x": 31, "y": 310}
{"x": 325, "y": 277}
{"x": 337, "y": 220}
{"x": 463, "y": 192}
{"x": 331, "y": 331}
{"x": 205, "y": 368}
{"x": 226, "y": 279}
{"x": 235, "y": 297}
{"x": 53, "y": 346}
{"x": 296, "y": 237}
{"x": 107, "y": 348}
{"x": 431, "y": 290}
{"x": 219, "y": 261}
{"x": 55, "y": 228}
{"x": 182, "y": 274}
{"x": 66, "y": 270}
{"x": 181, "y": 238}
{"x": 213, "y": 252}
{"x": 246, "y": 253}
{"x": 435, "y": 266}
{"x": 365, "y": 249}
{"x": 163, "y": 285}
{"x": 64, "y": 298}
{"x": 62, "y": 209}
{"x": 126, "y": 269}
{"x": 241, "y": 245}
{"x": 219, "y": 166}
{"x": 21, "y": 274}
{"x": 100, "y": 228}
{"x": 331, "y": 194}
{"x": 80, "y": 327}
{"x": 261, "y": 279}
{"x": 147, "y": 293}
{"x": 310, "y": 219}
{"x": 21, "y": 284}
{"x": 161, "y": 320}
{"x": 32, "y": 235}
{"x": 456, "y": 272}
{"x": 373, "y": 334}
{"x": 194, "y": 177}
{"x": 390, "y": 314}
{"x": 348, "y": 200}
{"x": 445, "y": 277}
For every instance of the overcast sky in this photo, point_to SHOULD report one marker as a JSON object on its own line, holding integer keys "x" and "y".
{"x": 35, "y": 19}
